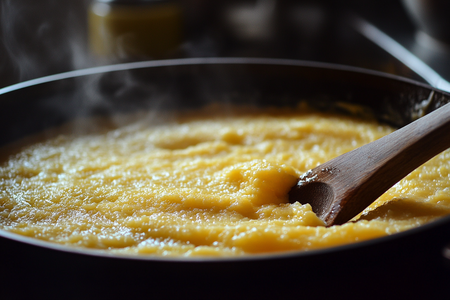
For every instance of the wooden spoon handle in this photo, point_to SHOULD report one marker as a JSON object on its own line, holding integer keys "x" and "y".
{"x": 369, "y": 171}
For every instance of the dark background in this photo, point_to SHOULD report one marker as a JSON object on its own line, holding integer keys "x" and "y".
{"x": 39, "y": 38}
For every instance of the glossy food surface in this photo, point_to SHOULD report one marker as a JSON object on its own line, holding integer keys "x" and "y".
{"x": 207, "y": 183}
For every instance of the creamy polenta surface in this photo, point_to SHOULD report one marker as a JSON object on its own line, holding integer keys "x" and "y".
{"x": 205, "y": 183}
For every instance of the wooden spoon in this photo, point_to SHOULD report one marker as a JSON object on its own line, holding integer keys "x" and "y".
{"x": 341, "y": 188}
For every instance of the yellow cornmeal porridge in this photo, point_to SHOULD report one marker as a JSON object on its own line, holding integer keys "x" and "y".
{"x": 204, "y": 184}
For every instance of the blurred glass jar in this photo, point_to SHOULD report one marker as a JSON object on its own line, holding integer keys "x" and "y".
{"x": 135, "y": 29}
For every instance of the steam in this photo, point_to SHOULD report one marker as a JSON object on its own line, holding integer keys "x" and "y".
{"x": 47, "y": 37}
{"x": 42, "y": 37}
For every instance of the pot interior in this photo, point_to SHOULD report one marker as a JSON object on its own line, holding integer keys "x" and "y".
{"x": 186, "y": 84}
{"x": 190, "y": 85}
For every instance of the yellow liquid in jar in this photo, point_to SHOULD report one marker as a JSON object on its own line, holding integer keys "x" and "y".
{"x": 135, "y": 31}
{"x": 204, "y": 184}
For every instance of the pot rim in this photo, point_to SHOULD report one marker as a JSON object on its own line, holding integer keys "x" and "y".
{"x": 206, "y": 61}
{"x": 443, "y": 222}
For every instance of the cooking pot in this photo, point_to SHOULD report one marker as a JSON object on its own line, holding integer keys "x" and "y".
{"x": 408, "y": 264}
